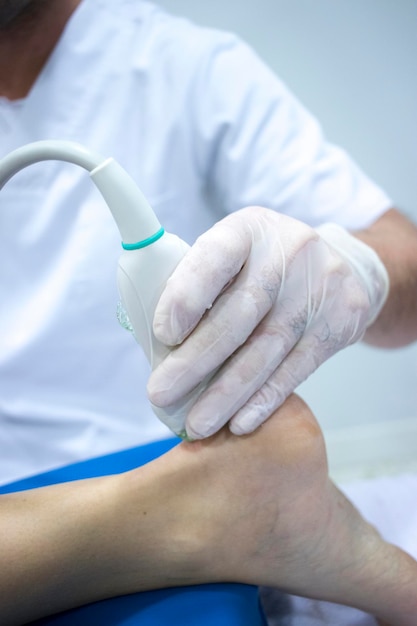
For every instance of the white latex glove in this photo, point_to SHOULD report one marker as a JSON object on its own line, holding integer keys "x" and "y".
{"x": 261, "y": 300}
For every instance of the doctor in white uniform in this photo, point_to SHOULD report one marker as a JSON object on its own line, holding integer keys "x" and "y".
{"x": 205, "y": 129}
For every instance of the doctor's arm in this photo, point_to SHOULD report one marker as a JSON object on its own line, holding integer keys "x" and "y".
{"x": 394, "y": 238}
{"x": 262, "y": 300}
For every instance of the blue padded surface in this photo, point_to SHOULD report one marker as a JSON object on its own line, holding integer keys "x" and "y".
{"x": 201, "y": 605}
{"x": 204, "y": 605}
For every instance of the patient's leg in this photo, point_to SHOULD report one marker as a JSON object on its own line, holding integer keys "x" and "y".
{"x": 258, "y": 509}
{"x": 267, "y": 513}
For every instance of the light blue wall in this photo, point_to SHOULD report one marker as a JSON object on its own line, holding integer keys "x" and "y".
{"x": 353, "y": 63}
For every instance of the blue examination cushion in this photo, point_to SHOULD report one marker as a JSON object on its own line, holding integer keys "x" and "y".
{"x": 201, "y": 605}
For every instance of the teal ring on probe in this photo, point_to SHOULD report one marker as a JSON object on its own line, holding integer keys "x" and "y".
{"x": 145, "y": 242}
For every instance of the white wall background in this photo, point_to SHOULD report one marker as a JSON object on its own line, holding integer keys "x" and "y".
{"x": 353, "y": 63}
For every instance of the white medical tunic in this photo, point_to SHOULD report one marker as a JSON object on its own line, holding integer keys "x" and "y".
{"x": 204, "y": 128}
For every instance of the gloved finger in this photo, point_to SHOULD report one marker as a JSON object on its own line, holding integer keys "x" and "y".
{"x": 239, "y": 378}
{"x": 215, "y": 260}
{"x": 298, "y": 365}
{"x": 321, "y": 340}
{"x": 319, "y": 343}
{"x": 211, "y": 263}
{"x": 237, "y": 312}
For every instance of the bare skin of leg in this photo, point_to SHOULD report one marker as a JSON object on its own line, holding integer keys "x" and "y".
{"x": 258, "y": 509}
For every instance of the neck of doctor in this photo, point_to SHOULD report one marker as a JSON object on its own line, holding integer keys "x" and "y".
{"x": 28, "y": 41}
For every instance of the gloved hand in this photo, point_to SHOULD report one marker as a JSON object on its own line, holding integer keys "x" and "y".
{"x": 262, "y": 300}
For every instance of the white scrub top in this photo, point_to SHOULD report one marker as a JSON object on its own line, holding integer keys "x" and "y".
{"x": 204, "y": 128}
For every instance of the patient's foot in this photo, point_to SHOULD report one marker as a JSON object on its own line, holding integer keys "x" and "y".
{"x": 261, "y": 509}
